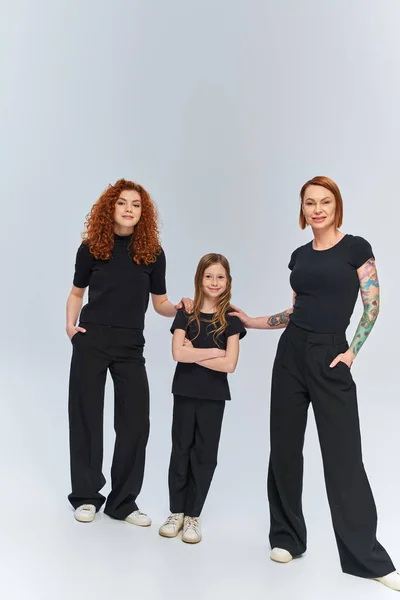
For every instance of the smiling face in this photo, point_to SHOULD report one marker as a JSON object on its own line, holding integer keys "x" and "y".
{"x": 319, "y": 207}
{"x": 128, "y": 210}
{"x": 214, "y": 281}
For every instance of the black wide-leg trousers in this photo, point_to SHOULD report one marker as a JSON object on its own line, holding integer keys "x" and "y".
{"x": 196, "y": 430}
{"x": 301, "y": 375}
{"x": 120, "y": 351}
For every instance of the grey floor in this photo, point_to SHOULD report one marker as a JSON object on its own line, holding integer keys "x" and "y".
{"x": 47, "y": 555}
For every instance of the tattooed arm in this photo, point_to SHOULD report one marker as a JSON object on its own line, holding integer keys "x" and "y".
{"x": 369, "y": 288}
{"x": 278, "y": 321}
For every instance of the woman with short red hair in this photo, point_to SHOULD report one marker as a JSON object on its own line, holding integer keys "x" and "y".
{"x": 312, "y": 365}
{"x": 122, "y": 263}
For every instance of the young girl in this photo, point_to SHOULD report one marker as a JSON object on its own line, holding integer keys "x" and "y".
{"x": 206, "y": 346}
{"x": 122, "y": 263}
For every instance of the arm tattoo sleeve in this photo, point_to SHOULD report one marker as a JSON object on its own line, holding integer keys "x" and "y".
{"x": 369, "y": 287}
{"x": 280, "y": 320}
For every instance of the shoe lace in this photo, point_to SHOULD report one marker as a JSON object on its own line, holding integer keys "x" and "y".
{"x": 191, "y": 523}
{"x": 173, "y": 519}
{"x": 141, "y": 514}
{"x": 87, "y": 507}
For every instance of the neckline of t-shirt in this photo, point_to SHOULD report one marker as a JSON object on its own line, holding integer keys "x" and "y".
{"x": 327, "y": 249}
{"x": 122, "y": 238}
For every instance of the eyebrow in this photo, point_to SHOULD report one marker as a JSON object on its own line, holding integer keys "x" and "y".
{"x": 125, "y": 200}
{"x": 208, "y": 273}
{"x": 326, "y": 198}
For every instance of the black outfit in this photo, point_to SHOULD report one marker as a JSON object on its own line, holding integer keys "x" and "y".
{"x": 301, "y": 375}
{"x": 199, "y": 403}
{"x": 114, "y": 320}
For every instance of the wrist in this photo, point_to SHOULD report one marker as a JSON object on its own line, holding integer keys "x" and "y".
{"x": 251, "y": 323}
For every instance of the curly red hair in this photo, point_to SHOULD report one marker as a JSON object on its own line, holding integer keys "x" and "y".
{"x": 99, "y": 225}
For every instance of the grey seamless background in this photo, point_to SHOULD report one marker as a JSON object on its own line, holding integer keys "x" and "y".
{"x": 222, "y": 110}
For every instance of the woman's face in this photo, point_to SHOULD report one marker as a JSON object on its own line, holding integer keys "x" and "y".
{"x": 319, "y": 207}
{"x": 128, "y": 210}
{"x": 214, "y": 281}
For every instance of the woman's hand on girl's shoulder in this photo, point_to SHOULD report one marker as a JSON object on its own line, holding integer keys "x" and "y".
{"x": 187, "y": 304}
{"x": 238, "y": 312}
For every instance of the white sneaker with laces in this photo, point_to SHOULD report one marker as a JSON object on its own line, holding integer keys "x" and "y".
{"x": 280, "y": 555}
{"x": 391, "y": 581}
{"x": 85, "y": 513}
{"x": 138, "y": 518}
{"x": 172, "y": 525}
{"x": 191, "y": 530}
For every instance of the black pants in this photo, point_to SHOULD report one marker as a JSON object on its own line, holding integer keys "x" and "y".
{"x": 302, "y": 375}
{"x": 196, "y": 430}
{"x": 95, "y": 351}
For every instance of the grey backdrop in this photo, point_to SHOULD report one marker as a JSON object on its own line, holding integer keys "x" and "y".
{"x": 222, "y": 109}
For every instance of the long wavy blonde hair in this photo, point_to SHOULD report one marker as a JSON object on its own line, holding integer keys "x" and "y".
{"x": 223, "y": 301}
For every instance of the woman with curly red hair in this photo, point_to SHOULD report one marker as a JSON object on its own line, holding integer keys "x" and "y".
{"x": 122, "y": 263}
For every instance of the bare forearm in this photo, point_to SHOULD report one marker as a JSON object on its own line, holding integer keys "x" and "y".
{"x": 185, "y": 354}
{"x": 223, "y": 365}
{"x": 74, "y": 305}
{"x": 166, "y": 309}
{"x": 278, "y": 321}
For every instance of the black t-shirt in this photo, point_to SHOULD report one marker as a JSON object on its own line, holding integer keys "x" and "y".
{"x": 326, "y": 284}
{"x": 193, "y": 380}
{"x": 118, "y": 288}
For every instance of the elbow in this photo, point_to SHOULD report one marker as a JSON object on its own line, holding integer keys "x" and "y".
{"x": 177, "y": 354}
{"x": 157, "y": 309}
{"x": 231, "y": 367}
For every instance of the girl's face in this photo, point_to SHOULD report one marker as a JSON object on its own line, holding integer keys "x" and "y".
{"x": 128, "y": 210}
{"x": 319, "y": 207}
{"x": 214, "y": 281}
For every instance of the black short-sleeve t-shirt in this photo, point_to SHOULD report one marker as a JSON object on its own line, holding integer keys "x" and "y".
{"x": 327, "y": 284}
{"x": 196, "y": 381}
{"x": 118, "y": 288}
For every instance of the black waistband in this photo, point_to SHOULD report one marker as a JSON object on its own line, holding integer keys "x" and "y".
{"x": 315, "y": 338}
{"x": 136, "y": 335}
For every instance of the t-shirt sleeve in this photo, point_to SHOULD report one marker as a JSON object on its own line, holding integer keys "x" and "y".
{"x": 361, "y": 251}
{"x": 83, "y": 267}
{"x": 157, "y": 276}
{"x": 292, "y": 260}
{"x": 235, "y": 325}
{"x": 180, "y": 321}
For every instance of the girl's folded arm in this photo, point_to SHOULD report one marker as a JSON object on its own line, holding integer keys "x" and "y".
{"x": 185, "y": 354}
{"x": 229, "y": 362}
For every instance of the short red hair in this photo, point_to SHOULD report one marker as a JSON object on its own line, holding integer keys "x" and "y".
{"x": 330, "y": 185}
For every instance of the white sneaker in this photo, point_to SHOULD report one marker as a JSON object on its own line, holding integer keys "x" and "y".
{"x": 85, "y": 513}
{"x": 172, "y": 525}
{"x": 280, "y": 555}
{"x": 191, "y": 530}
{"x": 139, "y": 518}
{"x": 391, "y": 581}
